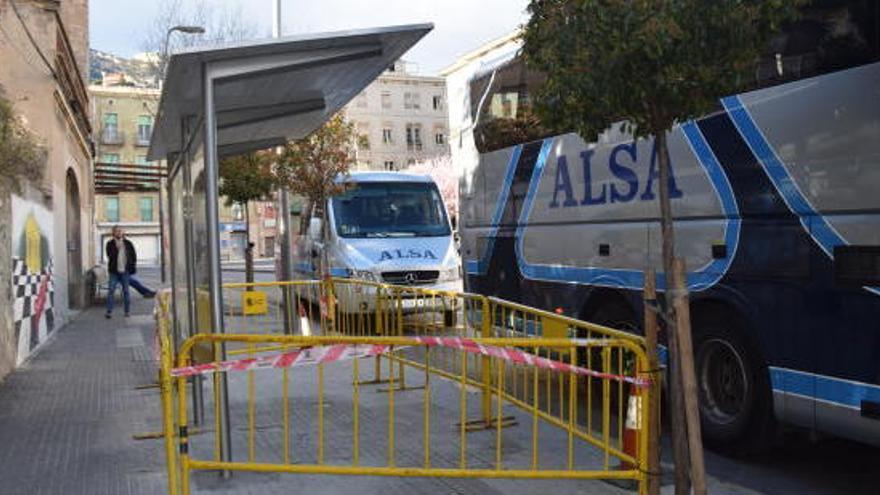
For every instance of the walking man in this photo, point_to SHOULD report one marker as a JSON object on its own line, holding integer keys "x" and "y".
{"x": 121, "y": 267}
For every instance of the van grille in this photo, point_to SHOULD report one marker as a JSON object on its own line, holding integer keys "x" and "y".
{"x": 414, "y": 277}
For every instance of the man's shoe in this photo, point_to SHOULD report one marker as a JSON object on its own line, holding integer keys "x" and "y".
{"x": 108, "y": 315}
{"x": 150, "y": 295}
{"x": 127, "y": 315}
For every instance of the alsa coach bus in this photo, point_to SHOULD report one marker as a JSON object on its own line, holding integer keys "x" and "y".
{"x": 776, "y": 200}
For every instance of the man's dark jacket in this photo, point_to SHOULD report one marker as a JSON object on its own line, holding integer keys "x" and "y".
{"x": 113, "y": 256}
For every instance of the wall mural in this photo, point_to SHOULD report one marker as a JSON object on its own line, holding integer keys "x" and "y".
{"x": 33, "y": 283}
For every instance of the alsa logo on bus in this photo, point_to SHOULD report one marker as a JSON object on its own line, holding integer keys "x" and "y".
{"x": 621, "y": 164}
{"x": 407, "y": 254}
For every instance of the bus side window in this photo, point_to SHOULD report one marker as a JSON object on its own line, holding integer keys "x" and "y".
{"x": 857, "y": 266}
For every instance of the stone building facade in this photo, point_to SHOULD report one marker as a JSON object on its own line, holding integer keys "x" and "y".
{"x": 45, "y": 246}
{"x": 123, "y": 118}
{"x": 401, "y": 119}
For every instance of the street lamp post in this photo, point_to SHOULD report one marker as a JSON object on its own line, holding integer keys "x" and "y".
{"x": 180, "y": 29}
{"x": 164, "y": 66}
{"x": 284, "y": 207}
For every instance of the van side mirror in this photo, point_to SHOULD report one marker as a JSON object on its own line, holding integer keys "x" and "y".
{"x": 315, "y": 229}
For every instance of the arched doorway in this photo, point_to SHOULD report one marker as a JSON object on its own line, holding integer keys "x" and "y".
{"x": 75, "y": 294}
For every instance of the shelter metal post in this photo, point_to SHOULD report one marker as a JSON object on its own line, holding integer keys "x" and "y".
{"x": 284, "y": 199}
{"x": 286, "y": 258}
{"x": 213, "y": 220}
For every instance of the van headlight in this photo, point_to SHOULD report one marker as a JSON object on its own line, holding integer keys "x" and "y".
{"x": 362, "y": 275}
{"x": 449, "y": 274}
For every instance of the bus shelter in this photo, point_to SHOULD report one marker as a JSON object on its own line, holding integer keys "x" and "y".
{"x": 236, "y": 98}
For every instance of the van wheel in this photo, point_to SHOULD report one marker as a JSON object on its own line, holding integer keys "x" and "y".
{"x": 736, "y": 408}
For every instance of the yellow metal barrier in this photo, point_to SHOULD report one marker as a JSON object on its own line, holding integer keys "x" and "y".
{"x": 589, "y": 409}
{"x": 259, "y": 307}
{"x": 166, "y": 387}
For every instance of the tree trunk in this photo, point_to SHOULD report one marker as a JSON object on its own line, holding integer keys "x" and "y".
{"x": 325, "y": 239}
{"x": 654, "y": 425}
{"x": 678, "y": 419}
{"x": 688, "y": 380}
{"x": 248, "y": 248}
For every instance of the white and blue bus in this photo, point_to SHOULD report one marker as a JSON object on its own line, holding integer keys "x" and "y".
{"x": 776, "y": 200}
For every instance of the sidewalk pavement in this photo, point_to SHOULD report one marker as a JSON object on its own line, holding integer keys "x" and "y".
{"x": 68, "y": 415}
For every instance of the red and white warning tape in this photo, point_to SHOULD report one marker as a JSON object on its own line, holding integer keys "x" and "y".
{"x": 522, "y": 358}
{"x": 300, "y": 357}
{"x": 341, "y": 352}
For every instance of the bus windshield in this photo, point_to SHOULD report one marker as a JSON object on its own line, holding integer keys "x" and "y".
{"x": 390, "y": 209}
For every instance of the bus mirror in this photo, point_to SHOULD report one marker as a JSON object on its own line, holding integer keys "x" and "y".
{"x": 315, "y": 229}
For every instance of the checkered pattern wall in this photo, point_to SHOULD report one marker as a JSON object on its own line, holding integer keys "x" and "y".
{"x": 34, "y": 296}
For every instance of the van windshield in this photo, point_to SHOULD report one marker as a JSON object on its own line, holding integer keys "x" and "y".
{"x": 390, "y": 209}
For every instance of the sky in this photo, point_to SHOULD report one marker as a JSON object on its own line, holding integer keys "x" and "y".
{"x": 118, "y": 26}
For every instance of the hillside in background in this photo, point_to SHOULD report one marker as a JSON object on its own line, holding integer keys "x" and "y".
{"x": 137, "y": 70}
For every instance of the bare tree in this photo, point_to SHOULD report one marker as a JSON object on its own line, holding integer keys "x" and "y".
{"x": 316, "y": 167}
{"x": 221, "y": 24}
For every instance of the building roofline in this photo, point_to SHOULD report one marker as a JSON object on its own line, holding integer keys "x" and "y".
{"x": 402, "y": 77}
{"x": 117, "y": 90}
{"x": 480, "y": 51}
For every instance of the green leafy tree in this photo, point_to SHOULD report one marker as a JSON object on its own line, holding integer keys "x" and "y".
{"x": 646, "y": 65}
{"x": 246, "y": 178}
{"x": 22, "y": 157}
{"x": 315, "y": 167}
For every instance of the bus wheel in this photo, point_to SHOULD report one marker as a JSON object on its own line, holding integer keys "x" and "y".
{"x": 735, "y": 400}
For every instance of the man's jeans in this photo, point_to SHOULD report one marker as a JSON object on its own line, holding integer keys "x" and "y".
{"x": 141, "y": 288}
{"x": 116, "y": 279}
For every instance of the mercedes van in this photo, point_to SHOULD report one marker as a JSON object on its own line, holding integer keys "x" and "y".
{"x": 387, "y": 227}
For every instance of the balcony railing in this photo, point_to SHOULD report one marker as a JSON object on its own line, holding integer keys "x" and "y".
{"x": 111, "y": 135}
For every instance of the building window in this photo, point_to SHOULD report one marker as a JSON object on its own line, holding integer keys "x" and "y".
{"x": 110, "y": 134}
{"x": 142, "y": 160}
{"x": 111, "y": 209}
{"x": 414, "y": 136}
{"x": 145, "y": 130}
{"x": 110, "y": 158}
{"x": 389, "y": 165}
{"x": 439, "y": 138}
{"x": 506, "y": 106}
{"x": 411, "y": 101}
{"x": 411, "y": 161}
{"x": 269, "y": 246}
{"x": 386, "y": 100}
{"x": 363, "y": 130}
{"x": 438, "y": 102}
{"x": 386, "y": 136}
{"x": 237, "y": 212}
{"x": 146, "y": 209}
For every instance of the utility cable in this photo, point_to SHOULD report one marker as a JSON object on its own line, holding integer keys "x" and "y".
{"x": 32, "y": 40}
